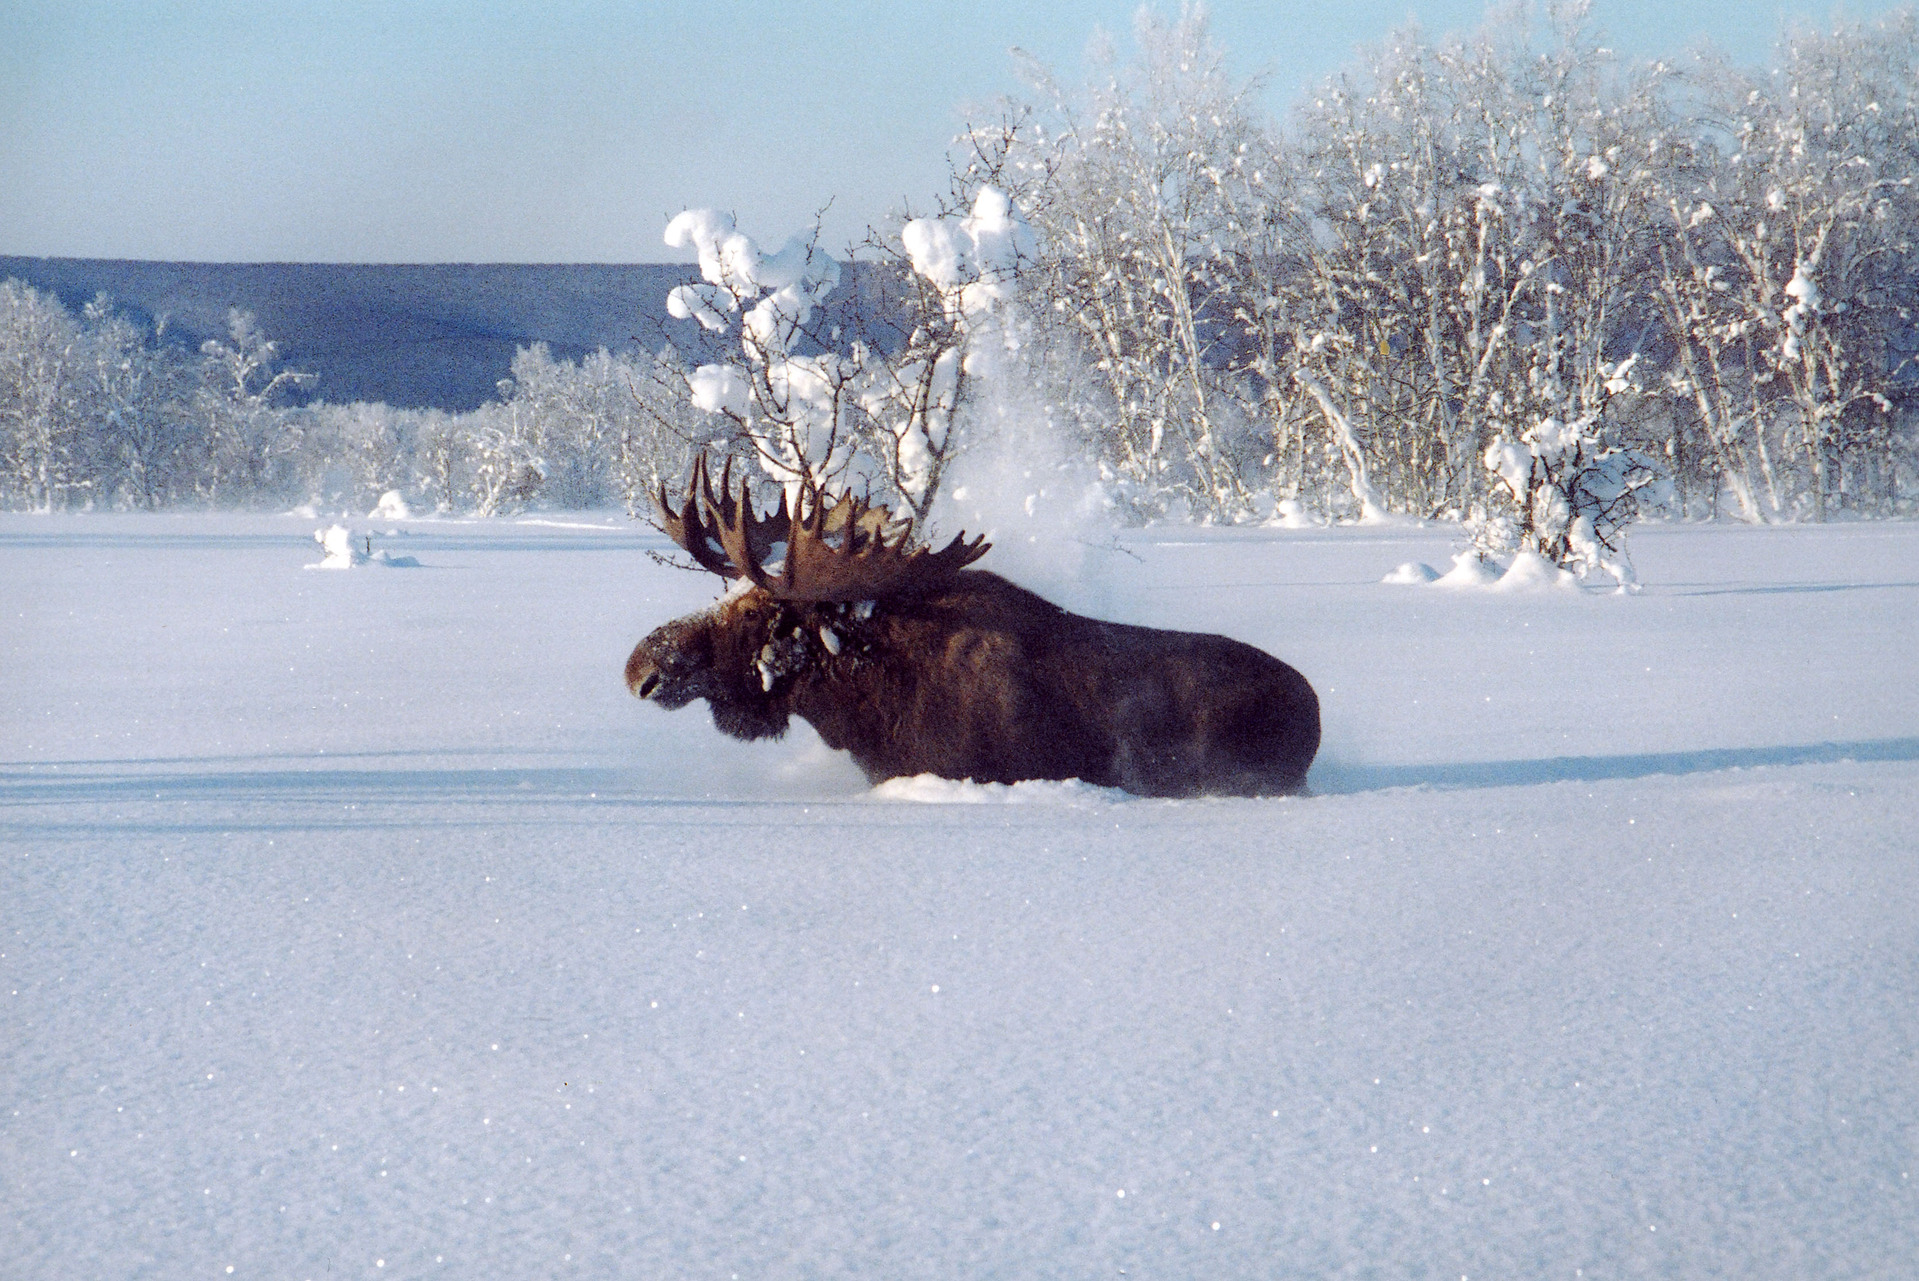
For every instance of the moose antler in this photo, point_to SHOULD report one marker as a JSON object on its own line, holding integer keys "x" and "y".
{"x": 698, "y": 524}
{"x": 843, "y": 550}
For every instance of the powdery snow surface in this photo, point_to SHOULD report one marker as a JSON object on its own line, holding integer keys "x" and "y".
{"x": 363, "y": 925}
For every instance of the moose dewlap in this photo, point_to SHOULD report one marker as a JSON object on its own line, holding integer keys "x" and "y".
{"x": 915, "y": 664}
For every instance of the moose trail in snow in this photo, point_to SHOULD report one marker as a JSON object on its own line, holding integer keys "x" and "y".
{"x": 362, "y": 922}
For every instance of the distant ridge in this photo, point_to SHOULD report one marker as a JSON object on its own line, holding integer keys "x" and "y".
{"x": 414, "y": 336}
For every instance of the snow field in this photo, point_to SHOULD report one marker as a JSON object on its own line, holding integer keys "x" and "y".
{"x": 362, "y": 924}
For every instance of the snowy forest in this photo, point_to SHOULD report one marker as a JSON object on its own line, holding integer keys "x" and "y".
{"x": 1505, "y": 279}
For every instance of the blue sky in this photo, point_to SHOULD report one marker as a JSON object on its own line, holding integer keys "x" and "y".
{"x": 423, "y": 131}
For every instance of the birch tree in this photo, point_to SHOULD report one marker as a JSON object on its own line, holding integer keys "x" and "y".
{"x": 1156, "y": 172}
{"x": 245, "y": 439}
{"x": 1824, "y": 232}
{"x": 41, "y": 428}
{"x": 136, "y": 397}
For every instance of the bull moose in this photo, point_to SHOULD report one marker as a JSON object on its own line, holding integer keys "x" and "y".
{"x": 915, "y": 664}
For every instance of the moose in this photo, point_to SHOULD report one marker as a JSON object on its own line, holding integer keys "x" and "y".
{"x": 915, "y": 664}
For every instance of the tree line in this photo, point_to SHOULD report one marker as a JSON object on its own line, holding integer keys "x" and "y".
{"x": 97, "y": 413}
{"x": 1505, "y": 278}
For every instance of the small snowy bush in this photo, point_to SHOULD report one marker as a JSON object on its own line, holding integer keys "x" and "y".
{"x": 791, "y": 407}
{"x": 822, "y": 421}
{"x": 1572, "y": 498}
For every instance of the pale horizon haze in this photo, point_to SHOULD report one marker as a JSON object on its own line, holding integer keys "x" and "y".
{"x": 416, "y": 131}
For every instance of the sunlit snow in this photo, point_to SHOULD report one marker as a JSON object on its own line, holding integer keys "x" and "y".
{"x": 363, "y": 925}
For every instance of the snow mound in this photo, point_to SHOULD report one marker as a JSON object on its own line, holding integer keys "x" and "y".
{"x": 1412, "y": 573}
{"x": 342, "y": 554}
{"x": 1532, "y": 572}
{"x": 1529, "y": 572}
{"x": 1468, "y": 571}
{"x": 390, "y": 507}
{"x": 931, "y": 789}
{"x": 1290, "y": 513}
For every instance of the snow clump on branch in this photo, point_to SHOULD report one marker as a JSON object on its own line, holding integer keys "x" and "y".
{"x": 822, "y": 421}
{"x": 974, "y": 261}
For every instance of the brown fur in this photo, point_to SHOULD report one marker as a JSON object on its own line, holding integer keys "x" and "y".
{"x": 981, "y": 679}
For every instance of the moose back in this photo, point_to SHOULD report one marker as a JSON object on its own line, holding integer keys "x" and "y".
{"x": 915, "y": 664}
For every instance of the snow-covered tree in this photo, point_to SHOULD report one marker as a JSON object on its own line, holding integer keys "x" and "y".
{"x": 788, "y": 404}
{"x": 505, "y": 470}
{"x": 1403, "y": 308}
{"x": 373, "y": 442}
{"x": 969, "y": 330}
{"x": 247, "y": 440}
{"x": 1156, "y": 192}
{"x": 1823, "y": 226}
{"x": 1701, "y": 294}
{"x": 136, "y": 396}
{"x": 42, "y": 431}
{"x": 1481, "y": 233}
{"x": 1502, "y": 278}
{"x": 440, "y": 449}
{"x": 561, "y": 413}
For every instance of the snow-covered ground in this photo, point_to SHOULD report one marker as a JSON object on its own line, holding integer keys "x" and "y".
{"x": 361, "y": 924}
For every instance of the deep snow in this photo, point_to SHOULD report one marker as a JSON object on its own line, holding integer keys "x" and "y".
{"x": 360, "y": 924}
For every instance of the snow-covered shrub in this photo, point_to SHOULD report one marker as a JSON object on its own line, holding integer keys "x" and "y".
{"x": 790, "y": 406}
{"x": 345, "y": 551}
{"x": 1571, "y": 497}
{"x": 821, "y": 412}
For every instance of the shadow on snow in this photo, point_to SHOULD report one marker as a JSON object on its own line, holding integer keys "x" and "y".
{"x": 1341, "y": 779}
{"x": 482, "y": 790}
